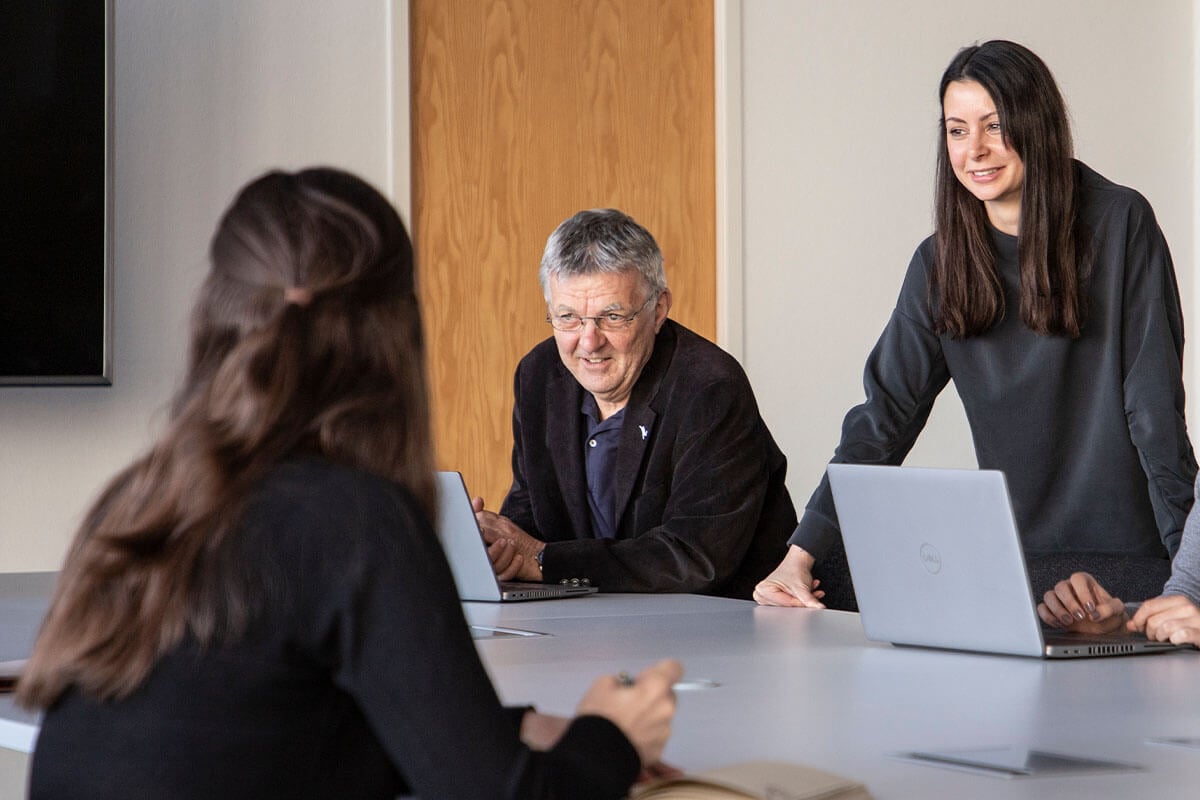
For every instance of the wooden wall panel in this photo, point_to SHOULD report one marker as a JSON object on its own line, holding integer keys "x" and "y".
{"x": 524, "y": 112}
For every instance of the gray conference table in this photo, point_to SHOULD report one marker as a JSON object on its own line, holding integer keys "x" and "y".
{"x": 806, "y": 686}
{"x": 23, "y": 600}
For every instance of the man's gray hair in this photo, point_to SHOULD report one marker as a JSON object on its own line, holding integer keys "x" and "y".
{"x": 602, "y": 240}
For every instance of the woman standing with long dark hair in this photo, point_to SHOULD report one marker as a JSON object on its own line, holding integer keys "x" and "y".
{"x": 259, "y": 606}
{"x": 1047, "y": 294}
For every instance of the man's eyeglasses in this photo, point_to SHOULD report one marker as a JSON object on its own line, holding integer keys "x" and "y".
{"x": 612, "y": 321}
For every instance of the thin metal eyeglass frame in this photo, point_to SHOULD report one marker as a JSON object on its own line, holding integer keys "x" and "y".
{"x": 601, "y": 320}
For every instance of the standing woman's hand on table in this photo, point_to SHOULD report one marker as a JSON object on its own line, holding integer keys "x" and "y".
{"x": 791, "y": 583}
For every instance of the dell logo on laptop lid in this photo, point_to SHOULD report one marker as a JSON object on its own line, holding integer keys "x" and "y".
{"x": 931, "y": 559}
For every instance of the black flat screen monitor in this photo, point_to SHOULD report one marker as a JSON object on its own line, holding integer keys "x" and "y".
{"x": 55, "y": 278}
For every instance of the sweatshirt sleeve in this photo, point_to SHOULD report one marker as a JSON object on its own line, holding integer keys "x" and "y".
{"x": 1185, "y": 567}
{"x": 1152, "y": 353}
{"x": 904, "y": 374}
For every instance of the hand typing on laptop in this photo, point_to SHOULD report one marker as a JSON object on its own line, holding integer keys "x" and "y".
{"x": 1080, "y": 603}
{"x": 1169, "y": 618}
{"x": 513, "y": 551}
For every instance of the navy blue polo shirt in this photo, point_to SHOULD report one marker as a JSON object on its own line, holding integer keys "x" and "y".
{"x": 600, "y": 464}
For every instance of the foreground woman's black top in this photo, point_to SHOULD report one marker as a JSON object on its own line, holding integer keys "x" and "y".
{"x": 359, "y": 678}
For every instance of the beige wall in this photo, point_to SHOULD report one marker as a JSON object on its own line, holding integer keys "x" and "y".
{"x": 207, "y": 94}
{"x": 835, "y": 155}
{"x": 839, "y": 121}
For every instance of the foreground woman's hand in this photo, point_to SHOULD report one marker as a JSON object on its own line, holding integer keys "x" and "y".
{"x": 643, "y": 709}
{"x": 658, "y": 771}
{"x": 542, "y": 731}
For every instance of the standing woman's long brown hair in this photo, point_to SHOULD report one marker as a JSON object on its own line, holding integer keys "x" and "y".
{"x": 306, "y": 340}
{"x": 1053, "y": 251}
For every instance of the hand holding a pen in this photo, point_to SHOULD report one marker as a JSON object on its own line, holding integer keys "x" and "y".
{"x": 642, "y": 706}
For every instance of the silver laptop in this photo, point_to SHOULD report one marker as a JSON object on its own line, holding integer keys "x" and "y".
{"x": 936, "y": 561}
{"x": 465, "y": 550}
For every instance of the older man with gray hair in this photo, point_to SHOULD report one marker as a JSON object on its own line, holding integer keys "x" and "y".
{"x": 640, "y": 461}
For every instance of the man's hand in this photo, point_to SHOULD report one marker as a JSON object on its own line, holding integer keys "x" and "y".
{"x": 1081, "y": 604}
{"x": 791, "y": 584}
{"x": 1169, "y": 618}
{"x": 513, "y": 551}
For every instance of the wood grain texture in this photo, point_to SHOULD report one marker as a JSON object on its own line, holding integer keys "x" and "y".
{"x": 524, "y": 112}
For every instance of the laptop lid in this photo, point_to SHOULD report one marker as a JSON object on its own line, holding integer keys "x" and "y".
{"x": 474, "y": 577}
{"x": 936, "y": 561}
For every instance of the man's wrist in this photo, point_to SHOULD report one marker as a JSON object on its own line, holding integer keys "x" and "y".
{"x": 537, "y": 559}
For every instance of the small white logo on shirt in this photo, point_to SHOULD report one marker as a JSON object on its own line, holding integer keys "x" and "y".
{"x": 645, "y": 432}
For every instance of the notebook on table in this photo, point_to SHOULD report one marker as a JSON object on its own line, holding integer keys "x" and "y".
{"x": 465, "y": 550}
{"x": 936, "y": 560}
